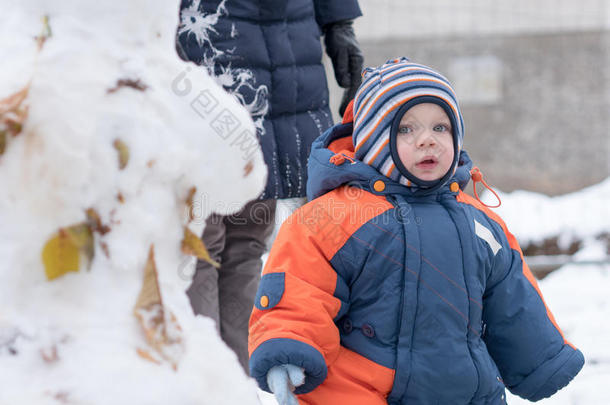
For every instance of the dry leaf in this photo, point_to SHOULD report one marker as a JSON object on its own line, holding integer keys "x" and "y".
{"x": 190, "y": 201}
{"x": 95, "y": 222}
{"x": 161, "y": 329}
{"x": 120, "y": 197}
{"x": 194, "y": 246}
{"x": 82, "y": 237}
{"x": 134, "y": 84}
{"x": 46, "y": 32}
{"x": 105, "y": 249}
{"x": 12, "y": 116}
{"x": 13, "y": 102}
{"x": 123, "y": 151}
{"x": 248, "y": 168}
{"x": 2, "y": 142}
{"x": 61, "y": 253}
{"x": 145, "y": 354}
{"x": 150, "y": 293}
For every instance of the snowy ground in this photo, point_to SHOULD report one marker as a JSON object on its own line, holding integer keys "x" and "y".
{"x": 578, "y": 295}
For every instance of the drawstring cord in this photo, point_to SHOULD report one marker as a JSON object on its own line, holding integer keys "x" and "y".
{"x": 339, "y": 158}
{"x": 476, "y": 175}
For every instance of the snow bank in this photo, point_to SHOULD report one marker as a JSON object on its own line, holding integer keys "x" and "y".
{"x": 108, "y": 72}
{"x": 534, "y": 217}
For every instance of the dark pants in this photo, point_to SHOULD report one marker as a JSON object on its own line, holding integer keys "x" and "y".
{"x": 227, "y": 294}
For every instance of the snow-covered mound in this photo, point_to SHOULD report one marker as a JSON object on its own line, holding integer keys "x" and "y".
{"x": 582, "y": 215}
{"x": 105, "y": 117}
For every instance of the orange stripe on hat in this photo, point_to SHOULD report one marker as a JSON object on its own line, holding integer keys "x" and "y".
{"x": 383, "y": 145}
{"x": 397, "y": 84}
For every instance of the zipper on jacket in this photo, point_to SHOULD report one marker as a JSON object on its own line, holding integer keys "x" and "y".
{"x": 397, "y": 207}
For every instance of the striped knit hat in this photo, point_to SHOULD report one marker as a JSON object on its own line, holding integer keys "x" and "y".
{"x": 385, "y": 94}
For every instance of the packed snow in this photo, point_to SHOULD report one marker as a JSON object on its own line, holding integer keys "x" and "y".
{"x": 107, "y": 74}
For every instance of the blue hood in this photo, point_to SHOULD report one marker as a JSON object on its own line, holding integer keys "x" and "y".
{"x": 324, "y": 176}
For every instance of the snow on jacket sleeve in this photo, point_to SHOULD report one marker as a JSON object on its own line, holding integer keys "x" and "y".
{"x": 330, "y": 11}
{"x": 522, "y": 336}
{"x": 297, "y": 300}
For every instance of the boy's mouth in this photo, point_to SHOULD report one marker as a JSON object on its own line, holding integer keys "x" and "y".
{"x": 427, "y": 163}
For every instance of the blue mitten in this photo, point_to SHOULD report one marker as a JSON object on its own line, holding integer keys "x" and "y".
{"x": 282, "y": 381}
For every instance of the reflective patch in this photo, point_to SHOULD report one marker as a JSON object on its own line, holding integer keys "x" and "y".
{"x": 485, "y": 234}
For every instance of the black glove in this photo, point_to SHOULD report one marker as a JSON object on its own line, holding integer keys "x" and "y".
{"x": 345, "y": 53}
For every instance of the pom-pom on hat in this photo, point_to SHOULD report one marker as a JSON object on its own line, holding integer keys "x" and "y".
{"x": 384, "y": 96}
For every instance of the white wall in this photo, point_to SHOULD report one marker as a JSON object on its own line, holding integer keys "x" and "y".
{"x": 409, "y": 18}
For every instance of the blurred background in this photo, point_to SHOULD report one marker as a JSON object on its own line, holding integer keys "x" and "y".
{"x": 532, "y": 78}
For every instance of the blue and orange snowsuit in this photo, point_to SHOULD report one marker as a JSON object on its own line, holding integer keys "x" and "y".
{"x": 383, "y": 297}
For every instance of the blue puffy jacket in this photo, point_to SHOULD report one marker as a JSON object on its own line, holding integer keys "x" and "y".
{"x": 387, "y": 297}
{"x": 268, "y": 54}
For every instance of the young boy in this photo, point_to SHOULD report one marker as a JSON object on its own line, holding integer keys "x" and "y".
{"x": 392, "y": 286}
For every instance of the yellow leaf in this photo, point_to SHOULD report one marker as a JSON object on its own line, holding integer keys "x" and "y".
{"x": 192, "y": 245}
{"x": 60, "y": 255}
{"x": 123, "y": 151}
{"x": 82, "y": 237}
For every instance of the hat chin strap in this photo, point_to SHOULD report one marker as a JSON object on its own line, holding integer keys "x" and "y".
{"x": 427, "y": 186}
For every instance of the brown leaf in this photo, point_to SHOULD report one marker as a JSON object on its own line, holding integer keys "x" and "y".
{"x": 145, "y": 354}
{"x": 105, "y": 249}
{"x": 150, "y": 293}
{"x": 190, "y": 201}
{"x": 248, "y": 168}
{"x": 13, "y": 102}
{"x": 120, "y": 197}
{"x": 161, "y": 329}
{"x": 95, "y": 222}
{"x": 12, "y": 116}
{"x": 194, "y": 246}
{"x": 134, "y": 84}
{"x": 2, "y": 142}
{"x": 123, "y": 151}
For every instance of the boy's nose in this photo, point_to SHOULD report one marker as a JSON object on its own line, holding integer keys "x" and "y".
{"x": 426, "y": 139}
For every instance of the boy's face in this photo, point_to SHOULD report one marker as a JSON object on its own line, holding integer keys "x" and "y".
{"x": 425, "y": 142}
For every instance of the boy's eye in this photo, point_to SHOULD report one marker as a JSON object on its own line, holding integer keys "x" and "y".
{"x": 403, "y": 129}
{"x": 441, "y": 128}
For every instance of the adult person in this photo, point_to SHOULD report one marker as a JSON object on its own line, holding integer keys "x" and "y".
{"x": 268, "y": 54}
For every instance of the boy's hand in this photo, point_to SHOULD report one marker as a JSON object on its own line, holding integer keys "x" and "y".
{"x": 282, "y": 380}
{"x": 345, "y": 53}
